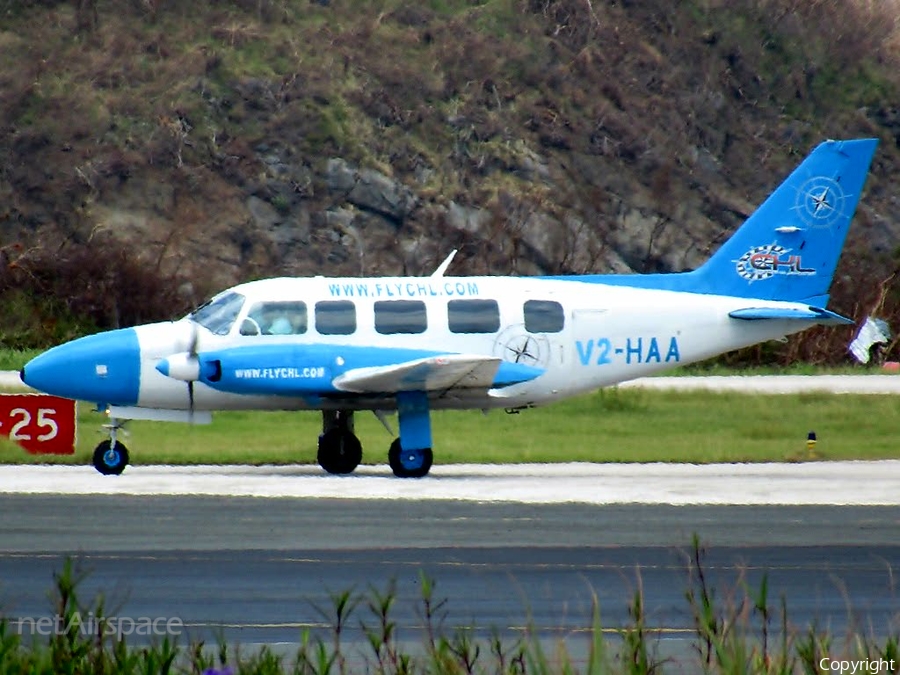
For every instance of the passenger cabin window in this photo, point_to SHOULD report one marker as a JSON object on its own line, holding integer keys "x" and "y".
{"x": 219, "y": 314}
{"x": 473, "y": 316}
{"x": 400, "y": 316}
{"x": 544, "y": 316}
{"x": 276, "y": 318}
{"x": 335, "y": 317}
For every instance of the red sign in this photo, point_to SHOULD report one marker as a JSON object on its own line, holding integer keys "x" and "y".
{"x": 42, "y": 424}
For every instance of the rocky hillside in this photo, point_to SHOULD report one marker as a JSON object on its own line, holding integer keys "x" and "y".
{"x": 221, "y": 140}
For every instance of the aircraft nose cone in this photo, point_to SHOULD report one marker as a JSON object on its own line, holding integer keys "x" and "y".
{"x": 102, "y": 368}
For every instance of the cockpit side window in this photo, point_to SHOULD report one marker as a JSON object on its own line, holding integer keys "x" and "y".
{"x": 276, "y": 318}
{"x": 219, "y": 314}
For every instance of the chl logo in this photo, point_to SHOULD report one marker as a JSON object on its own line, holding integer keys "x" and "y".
{"x": 764, "y": 262}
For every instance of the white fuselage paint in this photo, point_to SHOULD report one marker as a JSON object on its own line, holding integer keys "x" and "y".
{"x": 611, "y": 334}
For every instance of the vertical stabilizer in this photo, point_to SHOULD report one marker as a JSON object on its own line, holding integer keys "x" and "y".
{"x": 789, "y": 247}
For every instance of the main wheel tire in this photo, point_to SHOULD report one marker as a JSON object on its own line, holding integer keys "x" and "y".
{"x": 339, "y": 452}
{"x": 409, "y": 463}
{"x": 109, "y": 459}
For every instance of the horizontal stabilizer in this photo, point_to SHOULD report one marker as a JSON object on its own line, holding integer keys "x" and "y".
{"x": 436, "y": 373}
{"x": 817, "y": 314}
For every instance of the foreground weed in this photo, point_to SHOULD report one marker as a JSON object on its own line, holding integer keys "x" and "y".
{"x": 700, "y": 597}
{"x": 636, "y": 655}
{"x": 342, "y": 606}
{"x": 313, "y": 656}
{"x": 812, "y": 647}
{"x": 382, "y": 638}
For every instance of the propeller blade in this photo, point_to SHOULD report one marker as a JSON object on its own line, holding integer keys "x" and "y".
{"x": 185, "y": 366}
{"x": 195, "y": 337}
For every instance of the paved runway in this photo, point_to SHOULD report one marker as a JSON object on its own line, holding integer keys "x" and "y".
{"x": 510, "y": 548}
{"x": 262, "y": 569}
{"x": 844, "y": 483}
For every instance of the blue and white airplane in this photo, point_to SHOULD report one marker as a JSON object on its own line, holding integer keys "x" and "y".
{"x": 417, "y": 344}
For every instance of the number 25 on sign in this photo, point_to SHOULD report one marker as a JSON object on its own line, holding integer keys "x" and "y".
{"x": 43, "y": 425}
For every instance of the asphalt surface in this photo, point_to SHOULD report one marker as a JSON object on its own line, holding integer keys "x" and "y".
{"x": 262, "y": 570}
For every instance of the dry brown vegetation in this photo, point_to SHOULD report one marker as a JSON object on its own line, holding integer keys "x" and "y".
{"x": 191, "y": 140}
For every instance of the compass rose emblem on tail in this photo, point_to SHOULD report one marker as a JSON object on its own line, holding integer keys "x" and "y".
{"x": 820, "y": 202}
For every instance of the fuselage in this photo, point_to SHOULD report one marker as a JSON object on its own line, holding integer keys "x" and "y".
{"x": 579, "y": 335}
{"x": 415, "y": 344}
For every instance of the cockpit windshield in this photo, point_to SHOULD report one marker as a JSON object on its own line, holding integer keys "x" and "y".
{"x": 219, "y": 314}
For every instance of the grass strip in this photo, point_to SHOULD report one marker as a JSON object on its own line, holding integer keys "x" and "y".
{"x": 612, "y": 425}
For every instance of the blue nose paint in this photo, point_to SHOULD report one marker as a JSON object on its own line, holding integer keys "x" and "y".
{"x": 102, "y": 368}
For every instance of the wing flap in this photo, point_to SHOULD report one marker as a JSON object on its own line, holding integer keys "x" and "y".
{"x": 436, "y": 373}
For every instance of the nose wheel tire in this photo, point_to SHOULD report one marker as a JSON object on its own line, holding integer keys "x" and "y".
{"x": 110, "y": 459}
{"x": 409, "y": 463}
{"x": 340, "y": 452}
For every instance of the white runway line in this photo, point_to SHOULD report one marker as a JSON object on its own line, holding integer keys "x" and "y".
{"x": 9, "y": 379}
{"x": 813, "y": 483}
{"x": 775, "y": 384}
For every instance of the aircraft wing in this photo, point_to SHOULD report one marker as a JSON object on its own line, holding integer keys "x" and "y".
{"x": 436, "y": 373}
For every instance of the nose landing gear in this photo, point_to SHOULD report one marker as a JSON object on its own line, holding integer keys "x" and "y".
{"x": 111, "y": 456}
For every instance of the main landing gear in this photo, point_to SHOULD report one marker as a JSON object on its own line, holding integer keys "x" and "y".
{"x": 111, "y": 456}
{"x": 410, "y": 456}
{"x": 409, "y": 463}
{"x": 340, "y": 451}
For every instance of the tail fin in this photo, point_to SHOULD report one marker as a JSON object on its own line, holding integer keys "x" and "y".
{"x": 789, "y": 247}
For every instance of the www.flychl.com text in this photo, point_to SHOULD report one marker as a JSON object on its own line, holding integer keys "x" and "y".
{"x": 857, "y": 666}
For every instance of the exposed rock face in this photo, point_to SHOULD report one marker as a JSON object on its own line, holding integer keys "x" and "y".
{"x": 370, "y": 190}
{"x": 540, "y": 137}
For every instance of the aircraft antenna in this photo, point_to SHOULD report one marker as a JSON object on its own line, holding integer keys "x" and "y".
{"x": 439, "y": 272}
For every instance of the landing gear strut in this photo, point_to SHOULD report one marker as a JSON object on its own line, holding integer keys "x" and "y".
{"x": 111, "y": 456}
{"x": 410, "y": 455}
{"x": 340, "y": 451}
